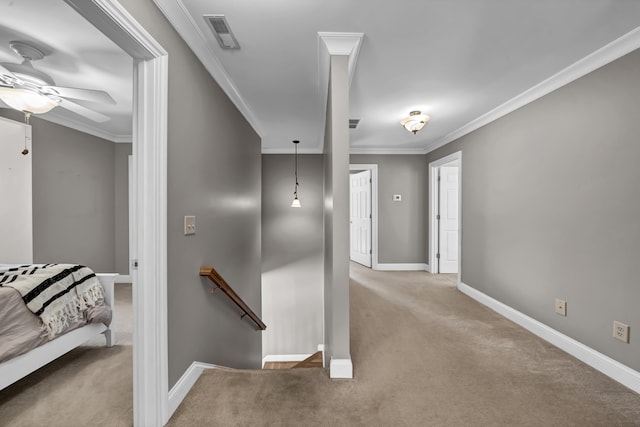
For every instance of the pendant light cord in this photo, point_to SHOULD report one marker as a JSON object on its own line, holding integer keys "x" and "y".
{"x": 27, "y": 116}
{"x": 295, "y": 192}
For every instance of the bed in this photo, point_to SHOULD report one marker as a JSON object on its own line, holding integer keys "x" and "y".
{"x": 46, "y": 310}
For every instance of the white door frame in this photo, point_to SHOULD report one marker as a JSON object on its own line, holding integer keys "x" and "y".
{"x": 374, "y": 208}
{"x": 433, "y": 203}
{"x": 149, "y": 274}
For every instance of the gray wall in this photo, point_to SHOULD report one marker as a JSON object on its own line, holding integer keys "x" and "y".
{"x": 73, "y": 195}
{"x": 402, "y": 226}
{"x": 551, "y": 207}
{"x": 292, "y": 255}
{"x": 121, "y": 207}
{"x": 336, "y": 213}
{"x": 214, "y": 172}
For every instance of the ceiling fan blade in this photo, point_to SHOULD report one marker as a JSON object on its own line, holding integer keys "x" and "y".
{"x": 5, "y": 80}
{"x": 82, "y": 94}
{"x": 84, "y": 111}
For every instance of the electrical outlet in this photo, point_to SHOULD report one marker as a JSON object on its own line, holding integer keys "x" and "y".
{"x": 561, "y": 307}
{"x": 620, "y": 331}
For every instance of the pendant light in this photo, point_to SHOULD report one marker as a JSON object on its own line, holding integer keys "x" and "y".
{"x": 296, "y": 201}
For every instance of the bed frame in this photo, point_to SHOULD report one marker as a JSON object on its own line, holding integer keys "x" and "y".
{"x": 20, "y": 366}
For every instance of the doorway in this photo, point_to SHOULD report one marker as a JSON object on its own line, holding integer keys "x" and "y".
{"x": 360, "y": 217}
{"x": 363, "y": 217}
{"x": 445, "y": 196}
{"x": 148, "y": 221}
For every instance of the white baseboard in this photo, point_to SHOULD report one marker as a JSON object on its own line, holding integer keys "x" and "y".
{"x": 341, "y": 369}
{"x": 284, "y": 358}
{"x": 180, "y": 390}
{"x": 403, "y": 267}
{"x": 608, "y": 366}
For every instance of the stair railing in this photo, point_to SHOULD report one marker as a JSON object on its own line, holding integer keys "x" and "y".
{"x": 221, "y": 284}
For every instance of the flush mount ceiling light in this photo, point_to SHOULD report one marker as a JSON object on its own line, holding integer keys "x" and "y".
{"x": 296, "y": 201}
{"x": 415, "y": 122}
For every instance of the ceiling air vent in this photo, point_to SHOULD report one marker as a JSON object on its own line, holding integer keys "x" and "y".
{"x": 353, "y": 123}
{"x": 221, "y": 31}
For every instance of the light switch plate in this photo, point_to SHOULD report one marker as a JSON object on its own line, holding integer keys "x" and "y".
{"x": 189, "y": 225}
{"x": 397, "y": 197}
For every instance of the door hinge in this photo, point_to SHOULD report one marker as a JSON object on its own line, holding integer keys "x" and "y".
{"x": 438, "y": 217}
{"x": 438, "y": 177}
{"x": 370, "y": 251}
{"x": 370, "y": 216}
{"x": 438, "y": 256}
{"x": 134, "y": 264}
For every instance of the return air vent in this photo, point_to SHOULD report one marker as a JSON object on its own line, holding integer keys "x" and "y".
{"x": 221, "y": 31}
{"x": 353, "y": 123}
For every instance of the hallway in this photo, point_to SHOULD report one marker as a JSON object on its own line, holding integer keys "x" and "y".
{"x": 423, "y": 354}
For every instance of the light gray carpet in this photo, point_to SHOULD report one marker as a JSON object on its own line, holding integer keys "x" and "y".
{"x": 89, "y": 386}
{"x": 424, "y": 355}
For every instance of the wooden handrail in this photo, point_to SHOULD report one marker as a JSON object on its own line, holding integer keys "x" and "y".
{"x": 217, "y": 280}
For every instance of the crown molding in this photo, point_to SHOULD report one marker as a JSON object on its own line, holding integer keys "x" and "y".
{"x": 177, "y": 14}
{"x": 387, "y": 150}
{"x": 291, "y": 151}
{"x": 606, "y": 54}
{"x": 334, "y": 44}
{"x": 342, "y": 44}
{"x": 359, "y": 150}
{"x": 84, "y": 127}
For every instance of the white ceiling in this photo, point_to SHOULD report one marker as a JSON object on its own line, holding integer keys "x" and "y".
{"x": 456, "y": 60}
{"x": 79, "y": 56}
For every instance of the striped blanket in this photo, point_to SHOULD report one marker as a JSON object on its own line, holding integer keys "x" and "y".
{"x": 57, "y": 293}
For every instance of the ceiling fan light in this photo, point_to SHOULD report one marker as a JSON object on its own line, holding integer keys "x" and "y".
{"x": 415, "y": 122}
{"x": 27, "y": 100}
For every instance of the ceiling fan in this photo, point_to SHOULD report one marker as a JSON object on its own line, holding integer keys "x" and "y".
{"x": 26, "y": 89}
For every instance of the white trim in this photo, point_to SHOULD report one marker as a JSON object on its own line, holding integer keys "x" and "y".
{"x": 84, "y": 127}
{"x": 403, "y": 267}
{"x": 608, "y": 366}
{"x": 374, "y": 208}
{"x": 321, "y": 347}
{"x": 387, "y": 151}
{"x": 180, "y": 18}
{"x": 433, "y": 202}
{"x": 150, "y": 364}
{"x": 347, "y": 44}
{"x": 150, "y": 155}
{"x": 334, "y": 44}
{"x": 340, "y": 369}
{"x": 182, "y": 387}
{"x": 284, "y": 358}
{"x": 290, "y": 151}
{"x": 606, "y": 54}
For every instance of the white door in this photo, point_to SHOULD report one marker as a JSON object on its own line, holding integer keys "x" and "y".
{"x": 448, "y": 224}
{"x": 360, "y": 217}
